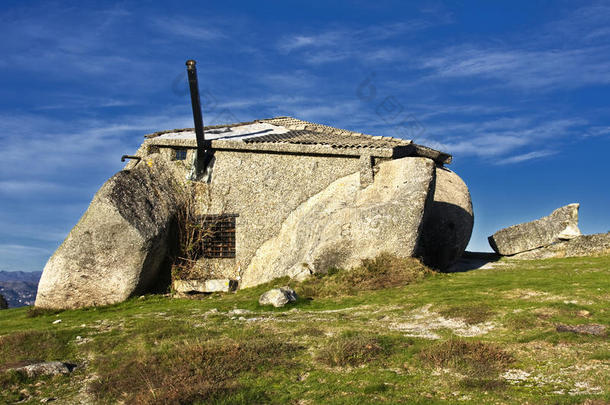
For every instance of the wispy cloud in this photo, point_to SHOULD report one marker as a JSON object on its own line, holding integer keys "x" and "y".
{"x": 299, "y": 41}
{"x": 504, "y": 140}
{"x": 12, "y": 187}
{"x": 538, "y": 154}
{"x": 524, "y": 69}
{"x": 85, "y": 143}
{"x": 367, "y": 44}
{"x": 190, "y": 28}
{"x": 584, "y": 25}
{"x": 23, "y": 257}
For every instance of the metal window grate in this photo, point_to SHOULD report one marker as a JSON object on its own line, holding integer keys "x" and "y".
{"x": 219, "y": 241}
{"x": 180, "y": 154}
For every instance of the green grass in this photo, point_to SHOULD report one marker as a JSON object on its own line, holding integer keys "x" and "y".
{"x": 350, "y": 339}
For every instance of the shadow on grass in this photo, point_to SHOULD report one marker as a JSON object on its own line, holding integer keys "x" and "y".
{"x": 473, "y": 261}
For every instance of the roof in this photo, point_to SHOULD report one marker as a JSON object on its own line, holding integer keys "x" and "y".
{"x": 292, "y": 135}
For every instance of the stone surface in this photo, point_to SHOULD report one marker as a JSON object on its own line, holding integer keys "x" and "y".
{"x": 587, "y": 329}
{"x": 204, "y": 286}
{"x": 584, "y": 245}
{"x": 264, "y": 189}
{"x": 49, "y": 368}
{"x": 278, "y": 297}
{"x": 561, "y": 223}
{"x": 119, "y": 246}
{"x": 448, "y": 221}
{"x": 3, "y": 303}
{"x": 343, "y": 224}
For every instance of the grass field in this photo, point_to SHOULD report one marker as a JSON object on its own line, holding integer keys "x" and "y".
{"x": 481, "y": 336}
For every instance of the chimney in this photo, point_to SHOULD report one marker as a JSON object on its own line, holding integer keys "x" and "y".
{"x": 203, "y": 146}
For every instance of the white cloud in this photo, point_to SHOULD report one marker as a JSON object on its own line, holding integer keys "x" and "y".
{"x": 498, "y": 140}
{"x": 525, "y": 69}
{"x": 295, "y": 42}
{"x": 44, "y": 146}
{"x": 190, "y": 28}
{"x": 12, "y": 187}
{"x": 526, "y": 156}
{"x": 23, "y": 257}
{"x": 366, "y": 44}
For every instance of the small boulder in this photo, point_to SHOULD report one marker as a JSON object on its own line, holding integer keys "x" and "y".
{"x": 587, "y": 329}
{"x": 3, "y": 303}
{"x": 278, "y": 297}
{"x": 562, "y": 224}
{"x": 48, "y": 368}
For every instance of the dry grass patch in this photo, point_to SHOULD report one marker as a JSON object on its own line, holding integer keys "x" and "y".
{"x": 474, "y": 359}
{"x": 384, "y": 271}
{"x": 193, "y": 373}
{"x": 351, "y": 351}
{"x": 471, "y": 314}
{"x": 310, "y": 331}
{"x": 22, "y": 348}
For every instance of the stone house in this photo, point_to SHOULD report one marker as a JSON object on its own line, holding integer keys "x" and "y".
{"x": 286, "y": 198}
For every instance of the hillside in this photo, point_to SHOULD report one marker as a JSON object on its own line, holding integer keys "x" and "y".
{"x": 19, "y": 287}
{"x": 483, "y": 336}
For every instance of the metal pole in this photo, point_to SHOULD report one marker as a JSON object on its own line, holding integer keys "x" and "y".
{"x": 202, "y": 143}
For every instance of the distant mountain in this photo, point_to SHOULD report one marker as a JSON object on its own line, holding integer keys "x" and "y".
{"x": 19, "y": 287}
{"x": 29, "y": 276}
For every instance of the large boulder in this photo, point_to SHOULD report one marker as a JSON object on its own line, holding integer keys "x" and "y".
{"x": 584, "y": 245}
{"x": 3, "y": 303}
{"x": 345, "y": 223}
{"x": 562, "y": 224}
{"x": 120, "y": 245}
{"x": 448, "y": 221}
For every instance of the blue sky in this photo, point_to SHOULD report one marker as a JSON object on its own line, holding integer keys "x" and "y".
{"x": 517, "y": 91}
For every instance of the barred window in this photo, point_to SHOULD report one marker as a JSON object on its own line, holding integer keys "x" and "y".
{"x": 180, "y": 154}
{"x": 219, "y": 236}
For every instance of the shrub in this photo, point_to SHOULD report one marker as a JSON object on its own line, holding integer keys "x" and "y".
{"x": 475, "y": 359}
{"x": 384, "y": 271}
{"x": 34, "y": 312}
{"x": 350, "y": 351}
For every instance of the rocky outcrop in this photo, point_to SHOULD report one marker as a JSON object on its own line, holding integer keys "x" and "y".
{"x": 119, "y": 246}
{"x": 448, "y": 221}
{"x": 584, "y": 245}
{"x": 586, "y": 329}
{"x": 561, "y": 224}
{"x": 278, "y": 297}
{"x": 49, "y": 368}
{"x": 3, "y": 303}
{"x": 344, "y": 224}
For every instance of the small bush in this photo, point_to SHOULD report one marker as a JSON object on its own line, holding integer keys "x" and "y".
{"x": 384, "y": 271}
{"x": 486, "y": 384}
{"x": 311, "y": 331}
{"x": 34, "y": 312}
{"x": 194, "y": 373}
{"x": 10, "y": 381}
{"x": 475, "y": 359}
{"x": 375, "y": 388}
{"x": 350, "y": 351}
